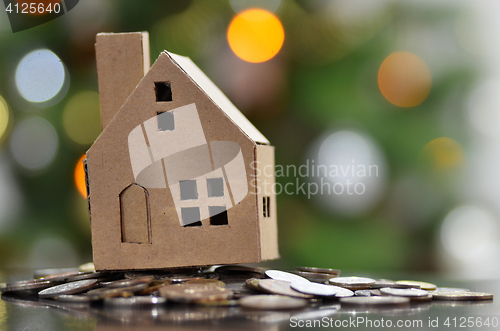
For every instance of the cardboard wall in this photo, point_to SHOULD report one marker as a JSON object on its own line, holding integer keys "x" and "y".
{"x": 266, "y": 199}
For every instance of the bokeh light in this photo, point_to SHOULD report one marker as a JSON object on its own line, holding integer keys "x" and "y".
{"x": 356, "y": 169}
{"x": 484, "y": 109}
{"x": 4, "y": 117}
{"x": 80, "y": 177}
{"x": 404, "y": 79}
{"x": 241, "y": 5}
{"x": 255, "y": 35}
{"x": 81, "y": 117}
{"x": 443, "y": 154}
{"x": 34, "y": 143}
{"x": 40, "y": 75}
{"x": 470, "y": 235}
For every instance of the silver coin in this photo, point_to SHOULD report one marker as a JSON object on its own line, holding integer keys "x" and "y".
{"x": 285, "y": 276}
{"x": 375, "y": 301}
{"x": 79, "y": 275}
{"x": 271, "y": 302}
{"x": 380, "y": 283}
{"x": 68, "y": 288}
{"x": 363, "y": 293}
{"x": 281, "y": 287}
{"x": 352, "y": 283}
{"x": 352, "y": 280}
{"x": 452, "y": 296}
{"x": 402, "y": 292}
{"x": 316, "y": 289}
{"x": 134, "y": 301}
{"x": 418, "y": 284}
{"x": 27, "y": 286}
{"x": 451, "y": 289}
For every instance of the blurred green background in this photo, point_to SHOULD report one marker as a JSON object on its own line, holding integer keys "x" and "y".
{"x": 426, "y": 119}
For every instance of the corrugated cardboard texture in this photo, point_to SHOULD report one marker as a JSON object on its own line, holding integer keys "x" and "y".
{"x": 268, "y": 227}
{"x": 122, "y": 61}
{"x": 171, "y": 245}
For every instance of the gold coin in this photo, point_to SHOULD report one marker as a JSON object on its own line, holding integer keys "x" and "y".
{"x": 423, "y": 285}
{"x": 461, "y": 296}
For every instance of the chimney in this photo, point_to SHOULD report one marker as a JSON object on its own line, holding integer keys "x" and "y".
{"x": 122, "y": 61}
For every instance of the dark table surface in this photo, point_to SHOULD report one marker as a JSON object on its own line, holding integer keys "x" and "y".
{"x": 28, "y": 313}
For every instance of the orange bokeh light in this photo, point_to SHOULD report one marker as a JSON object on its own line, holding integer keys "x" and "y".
{"x": 255, "y": 35}
{"x": 80, "y": 177}
{"x": 404, "y": 79}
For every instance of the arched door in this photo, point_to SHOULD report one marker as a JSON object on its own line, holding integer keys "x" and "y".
{"x": 134, "y": 212}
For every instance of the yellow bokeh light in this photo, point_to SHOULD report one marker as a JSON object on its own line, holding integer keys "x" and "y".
{"x": 80, "y": 177}
{"x": 404, "y": 79}
{"x": 255, "y": 35}
{"x": 4, "y": 117}
{"x": 443, "y": 154}
{"x": 81, "y": 117}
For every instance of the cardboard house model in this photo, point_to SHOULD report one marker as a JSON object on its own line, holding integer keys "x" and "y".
{"x": 176, "y": 178}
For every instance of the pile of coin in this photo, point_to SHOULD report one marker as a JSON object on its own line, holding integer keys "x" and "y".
{"x": 228, "y": 285}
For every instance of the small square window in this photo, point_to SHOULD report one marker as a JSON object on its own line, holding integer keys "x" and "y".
{"x": 163, "y": 91}
{"x": 190, "y": 216}
{"x": 188, "y": 189}
{"x": 165, "y": 121}
{"x": 215, "y": 187}
{"x": 218, "y": 215}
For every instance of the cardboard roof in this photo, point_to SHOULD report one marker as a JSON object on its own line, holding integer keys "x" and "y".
{"x": 216, "y": 95}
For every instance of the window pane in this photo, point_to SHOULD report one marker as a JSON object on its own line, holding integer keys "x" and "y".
{"x": 165, "y": 121}
{"x": 215, "y": 187}
{"x": 190, "y": 215}
{"x": 189, "y": 190}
